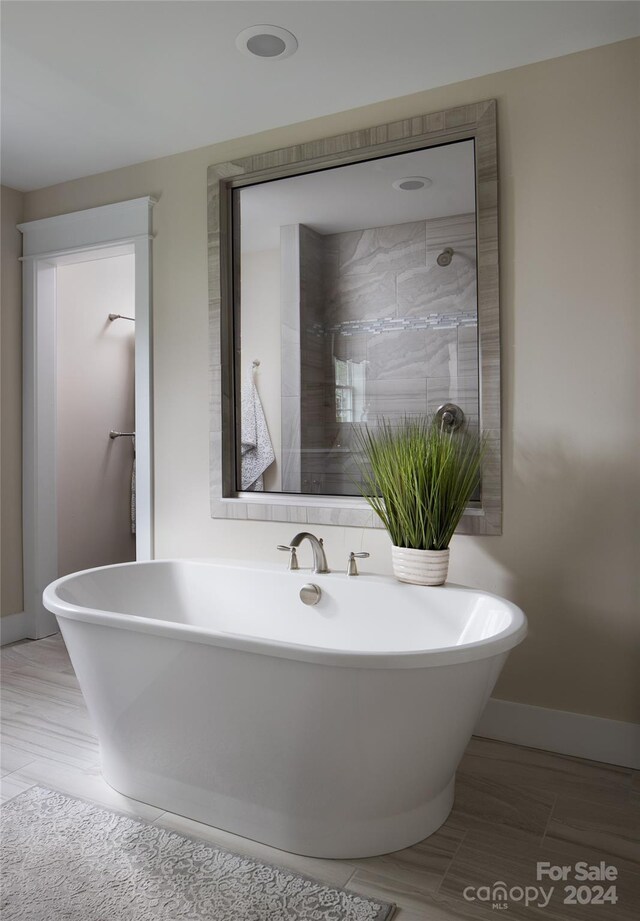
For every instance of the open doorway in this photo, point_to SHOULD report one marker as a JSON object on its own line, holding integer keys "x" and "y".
{"x": 82, "y": 496}
{"x": 95, "y": 411}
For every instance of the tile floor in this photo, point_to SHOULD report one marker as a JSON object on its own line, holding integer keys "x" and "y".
{"x": 514, "y": 806}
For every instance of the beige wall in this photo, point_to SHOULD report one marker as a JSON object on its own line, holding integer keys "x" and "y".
{"x": 11, "y": 206}
{"x": 569, "y": 208}
{"x": 95, "y": 390}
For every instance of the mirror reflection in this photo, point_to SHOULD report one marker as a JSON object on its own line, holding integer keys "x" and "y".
{"x": 355, "y": 293}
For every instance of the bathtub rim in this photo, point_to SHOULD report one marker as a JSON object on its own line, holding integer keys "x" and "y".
{"x": 502, "y": 642}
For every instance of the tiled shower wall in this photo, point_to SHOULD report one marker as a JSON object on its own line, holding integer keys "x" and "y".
{"x": 381, "y": 298}
{"x": 413, "y": 321}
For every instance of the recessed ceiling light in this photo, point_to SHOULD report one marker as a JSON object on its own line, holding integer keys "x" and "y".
{"x": 412, "y": 183}
{"x": 267, "y": 42}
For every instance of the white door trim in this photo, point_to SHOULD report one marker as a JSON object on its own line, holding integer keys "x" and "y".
{"x": 47, "y": 243}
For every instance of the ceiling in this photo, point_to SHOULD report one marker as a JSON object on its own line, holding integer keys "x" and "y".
{"x": 92, "y": 86}
{"x": 360, "y": 195}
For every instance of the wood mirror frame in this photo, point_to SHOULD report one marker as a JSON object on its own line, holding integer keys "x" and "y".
{"x": 476, "y": 121}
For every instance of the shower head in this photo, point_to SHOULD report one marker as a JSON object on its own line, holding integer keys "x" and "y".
{"x": 445, "y": 256}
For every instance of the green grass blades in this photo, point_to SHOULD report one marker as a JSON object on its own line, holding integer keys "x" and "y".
{"x": 418, "y": 478}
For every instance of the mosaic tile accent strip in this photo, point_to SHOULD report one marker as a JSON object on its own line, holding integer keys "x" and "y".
{"x": 393, "y": 324}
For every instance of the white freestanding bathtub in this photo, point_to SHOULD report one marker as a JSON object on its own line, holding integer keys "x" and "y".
{"x": 332, "y": 731}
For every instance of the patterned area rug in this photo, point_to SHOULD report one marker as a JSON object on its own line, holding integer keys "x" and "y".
{"x": 63, "y": 858}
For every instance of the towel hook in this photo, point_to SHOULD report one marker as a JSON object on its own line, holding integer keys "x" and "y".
{"x": 255, "y": 363}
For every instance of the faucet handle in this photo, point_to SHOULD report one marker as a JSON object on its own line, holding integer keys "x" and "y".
{"x": 352, "y": 566}
{"x": 293, "y": 556}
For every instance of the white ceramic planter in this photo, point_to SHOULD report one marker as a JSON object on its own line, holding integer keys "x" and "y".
{"x": 420, "y": 567}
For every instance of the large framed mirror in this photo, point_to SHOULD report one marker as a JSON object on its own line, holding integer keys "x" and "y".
{"x": 351, "y": 280}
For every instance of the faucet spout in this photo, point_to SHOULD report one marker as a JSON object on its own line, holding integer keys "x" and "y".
{"x": 319, "y": 557}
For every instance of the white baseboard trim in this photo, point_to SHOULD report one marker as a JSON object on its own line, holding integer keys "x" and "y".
{"x": 13, "y": 627}
{"x": 559, "y": 731}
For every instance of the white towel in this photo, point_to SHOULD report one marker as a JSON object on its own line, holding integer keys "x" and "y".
{"x": 255, "y": 444}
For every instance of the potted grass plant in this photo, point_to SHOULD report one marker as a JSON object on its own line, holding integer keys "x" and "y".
{"x": 418, "y": 478}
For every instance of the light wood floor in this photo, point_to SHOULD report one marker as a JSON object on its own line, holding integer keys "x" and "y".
{"x": 514, "y": 806}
